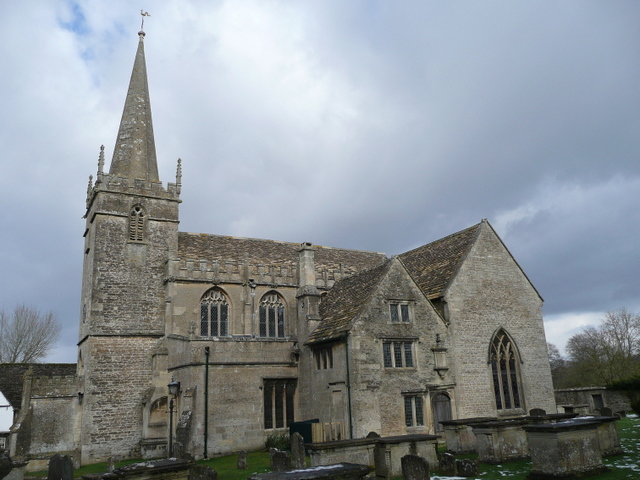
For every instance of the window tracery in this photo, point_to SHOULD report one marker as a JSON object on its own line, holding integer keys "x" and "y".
{"x": 214, "y": 314}
{"x": 505, "y": 372}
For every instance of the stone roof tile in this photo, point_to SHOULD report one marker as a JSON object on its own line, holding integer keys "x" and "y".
{"x": 343, "y": 302}
{"x": 196, "y": 247}
{"x": 434, "y": 265}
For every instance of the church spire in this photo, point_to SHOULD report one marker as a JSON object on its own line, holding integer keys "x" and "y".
{"x": 134, "y": 155}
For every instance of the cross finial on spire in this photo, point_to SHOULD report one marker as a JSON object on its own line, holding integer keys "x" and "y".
{"x": 144, "y": 14}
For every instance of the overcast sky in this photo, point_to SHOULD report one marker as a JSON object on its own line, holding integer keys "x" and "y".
{"x": 374, "y": 125}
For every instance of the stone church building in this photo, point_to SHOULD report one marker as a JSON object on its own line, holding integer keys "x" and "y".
{"x": 262, "y": 333}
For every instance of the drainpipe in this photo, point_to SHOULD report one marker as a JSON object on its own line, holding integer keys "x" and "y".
{"x": 346, "y": 349}
{"x": 206, "y": 399}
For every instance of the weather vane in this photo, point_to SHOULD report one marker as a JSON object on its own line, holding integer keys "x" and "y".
{"x": 144, "y": 14}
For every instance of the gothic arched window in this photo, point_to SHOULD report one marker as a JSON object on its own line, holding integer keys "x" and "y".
{"x": 505, "y": 371}
{"x": 272, "y": 316}
{"x": 136, "y": 224}
{"x": 214, "y": 314}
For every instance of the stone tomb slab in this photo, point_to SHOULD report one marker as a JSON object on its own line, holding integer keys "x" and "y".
{"x": 564, "y": 450}
{"x": 340, "y": 471}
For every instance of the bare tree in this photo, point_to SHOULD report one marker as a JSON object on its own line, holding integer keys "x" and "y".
{"x": 26, "y": 334}
{"x": 607, "y": 353}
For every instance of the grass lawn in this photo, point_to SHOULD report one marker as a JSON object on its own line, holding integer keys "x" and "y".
{"x": 625, "y": 466}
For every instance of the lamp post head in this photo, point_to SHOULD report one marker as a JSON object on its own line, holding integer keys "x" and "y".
{"x": 174, "y": 387}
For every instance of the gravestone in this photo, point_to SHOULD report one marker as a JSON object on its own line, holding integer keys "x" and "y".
{"x": 414, "y": 467}
{"x": 466, "y": 468}
{"x": 605, "y": 411}
{"x": 111, "y": 464}
{"x": 202, "y": 472}
{"x": 60, "y": 468}
{"x": 280, "y": 461}
{"x": 447, "y": 464}
{"x": 537, "y": 412}
{"x": 242, "y": 460}
{"x": 298, "y": 459}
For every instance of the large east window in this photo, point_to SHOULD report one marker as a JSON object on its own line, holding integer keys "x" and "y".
{"x": 214, "y": 314}
{"x": 505, "y": 372}
{"x": 397, "y": 354}
{"x": 272, "y": 316}
{"x": 279, "y": 396}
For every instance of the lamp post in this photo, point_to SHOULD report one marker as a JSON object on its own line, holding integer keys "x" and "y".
{"x": 174, "y": 389}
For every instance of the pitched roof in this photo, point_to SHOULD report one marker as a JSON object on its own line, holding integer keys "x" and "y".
{"x": 12, "y": 377}
{"x": 343, "y": 302}
{"x": 434, "y": 265}
{"x": 196, "y": 247}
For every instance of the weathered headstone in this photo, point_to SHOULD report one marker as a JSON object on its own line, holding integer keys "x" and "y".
{"x": 298, "y": 459}
{"x": 447, "y": 464}
{"x": 605, "y": 412}
{"x": 280, "y": 461}
{"x": 242, "y": 460}
{"x": 466, "y": 468}
{"x": 111, "y": 464}
{"x": 60, "y": 468}
{"x": 414, "y": 467}
{"x": 537, "y": 412}
{"x": 202, "y": 472}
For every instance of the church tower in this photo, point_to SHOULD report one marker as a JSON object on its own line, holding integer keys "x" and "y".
{"x": 131, "y": 232}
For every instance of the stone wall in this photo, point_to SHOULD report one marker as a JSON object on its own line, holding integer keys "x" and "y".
{"x": 490, "y": 292}
{"x": 378, "y": 392}
{"x": 48, "y": 423}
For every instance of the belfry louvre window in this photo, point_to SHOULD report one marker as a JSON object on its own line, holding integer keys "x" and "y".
{"x": 504, "y": 369}
{"x": 324, "y": 358}
{"x": 136, "y": 224}
{"x": 413, "y": 412}
{"x": 399, "y": 312}
{"x": 214, "y": 314}
{"x": 279, "y": 398}
{"x": 397, "y": 354}
{"x": 272, "y": 316}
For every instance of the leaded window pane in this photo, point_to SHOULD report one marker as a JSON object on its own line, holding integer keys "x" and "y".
{"x": 279, "y": 404}
{"x": 280, "y": 322}
{"x": 496, "y": 383}
{"x": 393, "y": 308}
{"x": 268, "y": 405}
{"x": 404, "y": 309}
{"x": 408, "y": 355}
{"x": 386, "y": 349}
{"x": 204, "y": 319}
{"x": 419, "y": 412}
{"x": 408, "y": 412}
{"x": 397, "y": 354}
{"x": 263, "y": 321}
{"x": 290, "y": 393}
{"x": 224, "y": 320}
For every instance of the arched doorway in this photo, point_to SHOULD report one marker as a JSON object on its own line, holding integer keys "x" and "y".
{"x": 441, "y": 406}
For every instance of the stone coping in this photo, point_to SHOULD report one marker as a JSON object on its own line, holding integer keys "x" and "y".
{"x": 551, "y": 417}
{"x": 338, "y": 470}
{"x": 418, "y": 437}
{"x": 469, "y": 421}
{"x": 371, "y": 441}
{"x": 563, "y": 426}
{"x": 512, "y": 422}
